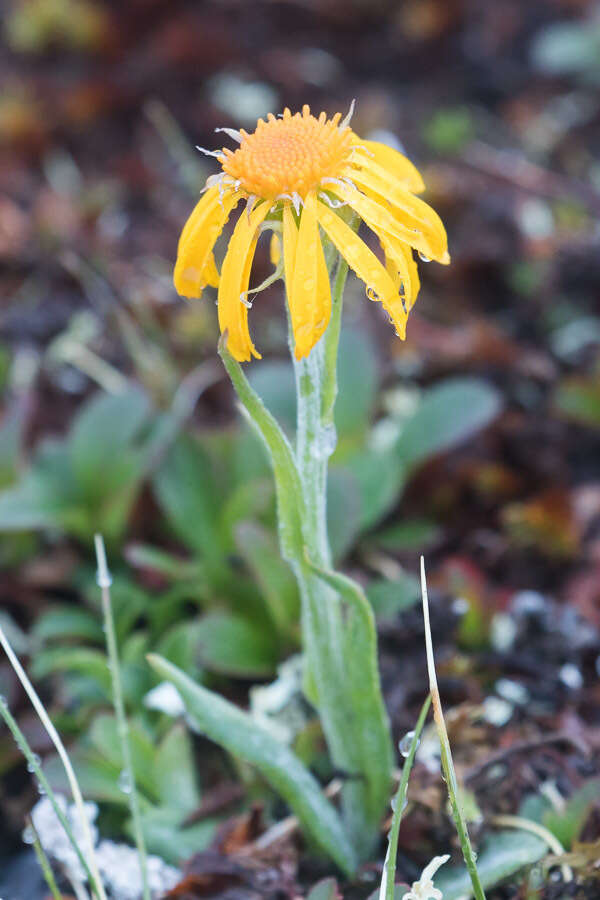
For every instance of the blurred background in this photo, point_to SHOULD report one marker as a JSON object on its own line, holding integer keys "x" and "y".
{"x": 476, "y": 442}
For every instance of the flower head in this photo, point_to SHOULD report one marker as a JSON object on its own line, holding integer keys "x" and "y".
{"x": 423, "y": 889}
{"x": 295, "y": 172}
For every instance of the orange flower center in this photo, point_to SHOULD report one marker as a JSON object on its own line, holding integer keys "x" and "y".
{"x": 289, "y": 155}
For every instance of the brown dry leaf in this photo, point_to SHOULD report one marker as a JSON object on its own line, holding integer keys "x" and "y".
{"x": 584, "y": 857}
{"x": 208, "y": 873}
{"x": 240, "y": 831}
{"x": 547, "y": 522}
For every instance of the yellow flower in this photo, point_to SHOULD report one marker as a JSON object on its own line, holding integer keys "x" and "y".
{"x": 294, "y": 172}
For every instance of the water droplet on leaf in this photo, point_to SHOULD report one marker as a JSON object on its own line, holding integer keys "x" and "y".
{"x": 405, "y": 743}
{"x": 124, "y": 782}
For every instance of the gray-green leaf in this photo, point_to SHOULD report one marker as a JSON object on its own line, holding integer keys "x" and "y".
{"x": 234, "y": 730}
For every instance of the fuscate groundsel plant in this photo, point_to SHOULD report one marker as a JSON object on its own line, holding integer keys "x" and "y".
{"x": 311, "y": 182}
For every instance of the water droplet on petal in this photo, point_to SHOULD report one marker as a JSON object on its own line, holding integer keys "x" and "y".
{"x": 245, "y": 301}
{"x": 371, "y": 294}
{"x": 424, "y": 258}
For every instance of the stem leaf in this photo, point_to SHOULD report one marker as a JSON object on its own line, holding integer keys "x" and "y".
{"x": 287, "y": 480}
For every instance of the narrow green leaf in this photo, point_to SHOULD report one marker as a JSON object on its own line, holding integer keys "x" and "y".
{"x": 175, "y": 772}
{"x": 236, "y": 732}
{"x": 289, "y": 490}
{"x": 502, "y": 855}
{"x": 387, "y": 891}
{"x": 373, "y": 748}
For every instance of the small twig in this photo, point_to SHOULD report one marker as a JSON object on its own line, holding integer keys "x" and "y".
{"x": 104, "y": 582}
{"x": 446, "y": 753}
{"x": 541, "y": 832}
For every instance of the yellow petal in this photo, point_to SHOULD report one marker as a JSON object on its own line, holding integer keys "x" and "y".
{"x": 402, "y": 268}
{"x": 310, "y": 295}
{"x": 193, "y": 269}
{"x": 275, "y": 249}
{"x": 408, "y": 209}
{"x": 235, "y": 276}
{"x": 363, "y": 261}
{"x": 211, "y": 273}
{"x": 427, "y": 240}
{"x": 394, "y": 163}
{"x": 290, "y": 240}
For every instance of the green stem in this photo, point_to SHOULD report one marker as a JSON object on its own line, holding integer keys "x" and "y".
{"x": 34, "y": 766}
{"x": 327, "y": 679}
{"x": 389, "y": 869}
{"x": 92, "y": 869}
{"x": 339, "y": 637}
{"x": 104, "y": 582}
{"x": 44, "y": 864}
{"x": 332, "y": 342}
{"x": 458, "y": 815}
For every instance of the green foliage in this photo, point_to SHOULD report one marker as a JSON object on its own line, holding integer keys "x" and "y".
{"x": 165, "y": 775}
{"x": 367, "y": 481}
{"x": 501, "y": 855}
{"x": 239, "y": 734}
{"x": 235, "y": 646}
{"x": 566, "y": 824}
{"x": 449, "y": 130}
{"x": 88, "y": 481}
{"x": 388, "y": 598}
{"x": 371, "y": 750}
{"x": 578, "y": 399}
